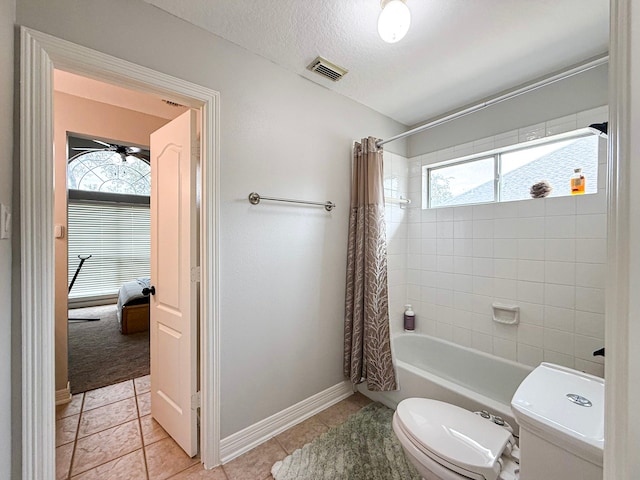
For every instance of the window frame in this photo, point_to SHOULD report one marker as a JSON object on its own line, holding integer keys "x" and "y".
{"x": 496, "y": 154}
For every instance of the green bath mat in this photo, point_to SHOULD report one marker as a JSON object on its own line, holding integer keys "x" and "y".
{"x": 362, "y": 448}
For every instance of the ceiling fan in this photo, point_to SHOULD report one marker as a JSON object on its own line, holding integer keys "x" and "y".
{"x": 123, "y": 150}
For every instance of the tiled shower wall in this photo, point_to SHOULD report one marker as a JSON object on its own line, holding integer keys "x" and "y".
{"x": 545, "y": 255}
{"x": 396, "y": 183}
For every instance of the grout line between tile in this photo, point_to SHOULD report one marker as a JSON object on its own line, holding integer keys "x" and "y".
{"x": 144, "y": 450}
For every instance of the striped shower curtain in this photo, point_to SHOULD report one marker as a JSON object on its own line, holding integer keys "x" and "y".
{"x": 367, "y": 346}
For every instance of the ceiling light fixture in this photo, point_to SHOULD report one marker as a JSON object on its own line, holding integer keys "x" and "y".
{"x": 394, "y": 20}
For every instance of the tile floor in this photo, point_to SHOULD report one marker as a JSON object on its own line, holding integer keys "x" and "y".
{"x": 108, "y": 433}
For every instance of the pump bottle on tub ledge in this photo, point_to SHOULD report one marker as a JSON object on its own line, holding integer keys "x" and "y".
{"x": 409, "y": 319}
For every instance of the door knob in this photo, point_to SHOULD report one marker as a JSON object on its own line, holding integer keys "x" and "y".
{"x": 147, "y": 291}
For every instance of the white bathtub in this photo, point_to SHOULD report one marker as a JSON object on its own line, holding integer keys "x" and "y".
{"x": 432, "y": 368}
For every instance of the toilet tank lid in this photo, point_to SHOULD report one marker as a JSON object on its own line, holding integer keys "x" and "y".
{"x": 454, "y": 434}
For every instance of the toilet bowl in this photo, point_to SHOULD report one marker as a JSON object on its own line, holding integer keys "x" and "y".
{"x": 446, "y": 442}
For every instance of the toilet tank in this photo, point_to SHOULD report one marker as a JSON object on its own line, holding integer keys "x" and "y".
{"x": 561, "y": 416}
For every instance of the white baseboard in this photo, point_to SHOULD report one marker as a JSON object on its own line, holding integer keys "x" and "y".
{"x": 63, "y": 396}
{"x": 238, "y": 443}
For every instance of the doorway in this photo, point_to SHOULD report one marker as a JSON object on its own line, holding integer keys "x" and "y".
{"x": 37, "y": 285}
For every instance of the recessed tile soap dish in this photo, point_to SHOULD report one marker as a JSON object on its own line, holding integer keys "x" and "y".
{"x": 507, "y": 314}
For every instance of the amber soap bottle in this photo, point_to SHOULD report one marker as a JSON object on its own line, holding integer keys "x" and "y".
{"x": 577, "y": 182}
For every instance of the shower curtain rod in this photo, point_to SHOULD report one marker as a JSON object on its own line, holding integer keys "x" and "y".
{"x": 583, "y": 67}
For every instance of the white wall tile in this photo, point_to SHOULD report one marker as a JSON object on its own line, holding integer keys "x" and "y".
{"x": 444, "y": 331}
{"x": 444, "y": 297}
{"x": 483, "y": 211}
{"x": 558, "y": 341}
{"x": 530, "y": 335}
{"x": 589, "y": 367}
{"x": 528, "y": 355}
{"x": 428, "y": 215}
{"x": 463, "y": 212}
{"x": 590, "y": 324}
{"x": 505, "y": 248}
{"x": 585, "y": 346}
{"x": 505, "y": 349}
{"x": 560, "y": 295}
{"x": 590, "y": 250}
{"x": 560, "y": 249}
{"x": 483, "y": 228}
{"x": 463, "y": 301}
{"x": 463, "y": 283}
{"x": 531, "y": 249}
{"x": 482, "y": 342}
{"x": 505, "y": 228}
{"x": 463, "y": 247}
{"x": 560, "y": 206}
{"x": 559, "y": 318}
{"x": 558, "y": 358}
{"x": 506, "y": 210}
{"x": 445, "y": 246}
{"x": 590, "y": 299}
{"x": 445, "y": 280}
{"x": 531, "y": 313}
{"x": 531, "y": 227}
{"x": 531, "y": 270}
{"x": 505, "y": 268}
{"x": 444, "y": 214}
{"x": 591, "y": 275}
{"x": 530, "y": 292}
{"x": 591, "y": 204}
{"x": 505, "y": 289}
{"x": 444, "y": 229}
{"x": 482, "y": 247}
{"x": 483, "y": 286}
{"x": 561, "y": 226}
{"x": 463, "y": 265}
{"x": 429, "y": 278}
{"x": 462, "y": 336}
{"x": 463, "y": 229}
{"x": 563, "y": 273}
{"x": 445, "y": 263}
{"x": 591, "y": 226}
{"x": 531, "y": 208}
{"x": 428, "y": 229}
{"x": 481, "y": 322}
{"x": 428, "y": 246}
{"x": 483, "y": 267}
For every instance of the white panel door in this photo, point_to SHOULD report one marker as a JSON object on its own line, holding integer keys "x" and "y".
{"x": 174, "y": 307}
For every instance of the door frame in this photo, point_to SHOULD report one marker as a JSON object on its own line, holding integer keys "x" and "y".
{"x": 40, "y": 54}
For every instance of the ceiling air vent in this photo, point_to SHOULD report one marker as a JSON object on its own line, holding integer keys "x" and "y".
{"x": 327, "y": 69}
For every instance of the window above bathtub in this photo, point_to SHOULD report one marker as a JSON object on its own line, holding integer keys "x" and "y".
{"x": 507, "y": 174}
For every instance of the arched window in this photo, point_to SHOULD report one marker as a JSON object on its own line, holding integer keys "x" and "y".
{"x": 108, "y": 172}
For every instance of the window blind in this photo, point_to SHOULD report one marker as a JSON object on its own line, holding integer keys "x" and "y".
{"x": 118, "y": 238}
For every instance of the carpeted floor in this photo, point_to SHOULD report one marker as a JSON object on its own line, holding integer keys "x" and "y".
{"x": 99, "y": 355}
{"x": 362, "y": 448}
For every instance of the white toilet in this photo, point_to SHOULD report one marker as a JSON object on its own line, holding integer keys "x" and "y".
{"x": 446, "y": 442}
{"x": 561, "y": 415}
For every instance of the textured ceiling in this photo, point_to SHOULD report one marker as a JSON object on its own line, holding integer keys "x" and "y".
{"x": 456, "y": 52}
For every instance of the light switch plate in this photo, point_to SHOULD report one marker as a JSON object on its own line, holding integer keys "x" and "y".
{"x": 5, "y": 222}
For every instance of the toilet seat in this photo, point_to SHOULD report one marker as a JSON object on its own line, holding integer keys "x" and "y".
{"x": 454, "y": 438}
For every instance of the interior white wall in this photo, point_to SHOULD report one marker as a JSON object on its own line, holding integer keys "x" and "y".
{"x": 282, "y": 267}
{"x": 574, "y": 94}
{"x": 7, "y": 17}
